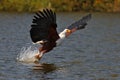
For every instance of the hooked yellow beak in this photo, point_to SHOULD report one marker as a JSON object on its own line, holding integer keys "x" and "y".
{"x": 68, "y": 32}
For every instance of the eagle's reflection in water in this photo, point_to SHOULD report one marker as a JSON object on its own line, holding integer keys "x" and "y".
{"x": 44, "y": 67}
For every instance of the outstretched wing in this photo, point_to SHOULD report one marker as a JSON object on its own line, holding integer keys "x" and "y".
{"x": 43, "y": 26}
{"x": 80, "y": 24}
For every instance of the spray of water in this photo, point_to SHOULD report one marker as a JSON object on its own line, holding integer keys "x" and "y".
{"x": 27, "y": 54}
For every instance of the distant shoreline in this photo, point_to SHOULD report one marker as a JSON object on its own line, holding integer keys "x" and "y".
{"x": 60, "y": 6}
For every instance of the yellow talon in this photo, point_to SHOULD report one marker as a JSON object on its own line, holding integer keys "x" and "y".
{"x": 37, "y": 56}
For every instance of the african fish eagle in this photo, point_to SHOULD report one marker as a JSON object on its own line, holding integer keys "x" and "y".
{"x": 43, "y": 30}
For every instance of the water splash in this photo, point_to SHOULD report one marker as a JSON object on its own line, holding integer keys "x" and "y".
{"x": 27, "y": 54}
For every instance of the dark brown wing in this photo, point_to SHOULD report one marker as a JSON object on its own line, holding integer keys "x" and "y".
{"x": 80, "y": 24}
{"x": 44, "y": 26}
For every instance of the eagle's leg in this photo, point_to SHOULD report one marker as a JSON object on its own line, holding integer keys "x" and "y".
{"x": 39, "y": 55}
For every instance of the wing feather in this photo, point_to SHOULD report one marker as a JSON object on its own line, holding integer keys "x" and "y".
{"x": 41, "y": 25}
{"x": 80, "y": 24}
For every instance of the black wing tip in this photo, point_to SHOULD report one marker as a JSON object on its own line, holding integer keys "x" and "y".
{"x": 88, "y": 16}
{"x": 80, "y": 24}
{"x": 44, "y": 14}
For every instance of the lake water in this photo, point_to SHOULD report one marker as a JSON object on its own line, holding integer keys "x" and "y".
{"x": 89, "y": 54}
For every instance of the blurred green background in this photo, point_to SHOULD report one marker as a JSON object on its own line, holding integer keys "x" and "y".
{"x": 60, "y": 5}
